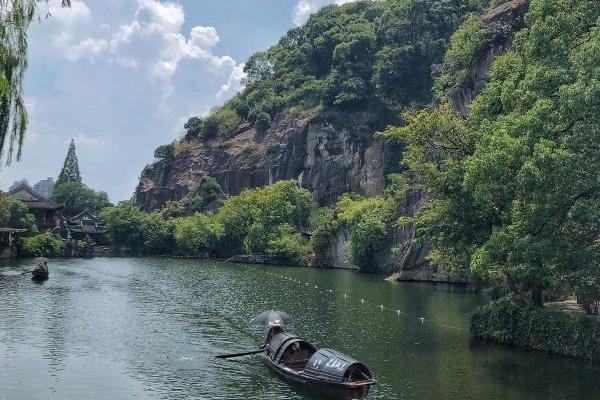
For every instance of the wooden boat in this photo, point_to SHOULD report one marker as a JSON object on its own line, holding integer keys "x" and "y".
{"x": 40, "y": 272}
{"x": 325, "y": 370}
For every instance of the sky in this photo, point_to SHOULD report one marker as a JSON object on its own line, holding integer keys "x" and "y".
{"x": 122, "y": 76}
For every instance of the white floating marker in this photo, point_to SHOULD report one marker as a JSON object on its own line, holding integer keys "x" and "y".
{"x": 398, "y": 311}
{"x": 362, "y": 300}
{"x": 381, "y": 306}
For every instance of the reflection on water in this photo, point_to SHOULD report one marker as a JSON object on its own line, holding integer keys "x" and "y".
{"x": 150, "y": 328}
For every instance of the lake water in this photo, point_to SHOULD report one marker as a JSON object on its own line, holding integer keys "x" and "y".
{"x": 150, "y": 328}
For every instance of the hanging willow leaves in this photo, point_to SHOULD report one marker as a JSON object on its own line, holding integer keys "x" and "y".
{"x": 15, "y": 17}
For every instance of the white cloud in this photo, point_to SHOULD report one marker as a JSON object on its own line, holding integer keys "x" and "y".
{"x": 305, "y": 8}
{"x": 153, "y": 40}
{"x": 90, "y": 48}
{"x": 168, "y": 15}
{"x": 234, "y": 83}
{"x": 204, "y": 37}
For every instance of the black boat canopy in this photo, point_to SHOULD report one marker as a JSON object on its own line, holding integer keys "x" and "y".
{"x": 282, "y": 341}
{"x": 333, "y": 366}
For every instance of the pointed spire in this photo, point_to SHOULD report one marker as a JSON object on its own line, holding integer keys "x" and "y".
{"x": 70, "y": 169}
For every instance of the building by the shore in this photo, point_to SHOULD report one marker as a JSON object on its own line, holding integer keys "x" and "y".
{"x": 84, "y": 226}
{"x": 43, "y": 209}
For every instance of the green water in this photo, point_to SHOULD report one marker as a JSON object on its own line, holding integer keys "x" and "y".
{"x": 149, "y": 329}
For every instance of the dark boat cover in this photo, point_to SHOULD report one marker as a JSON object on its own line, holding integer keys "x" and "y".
{"x": 280, "y": 342}
{"x": 330, "y": 365}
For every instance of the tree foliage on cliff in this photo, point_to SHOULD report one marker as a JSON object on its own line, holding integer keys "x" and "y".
{"x": 270, "y": 220}
{"x": 369, "y": 53}
{"x": 367, "y": 222}
{"x": 15, "y": 17}
{"x": 515, "y": 185}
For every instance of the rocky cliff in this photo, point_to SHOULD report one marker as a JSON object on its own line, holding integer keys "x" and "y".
{"x": 328, "y": 153}
{"x": 501, "y": 24}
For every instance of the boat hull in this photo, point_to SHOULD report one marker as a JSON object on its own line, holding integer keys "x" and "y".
{"x": 339, "y": 390}
{"x": 39, "y": 275}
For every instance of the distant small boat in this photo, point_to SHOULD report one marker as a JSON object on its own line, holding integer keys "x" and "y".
{"x": 325, "y": 370}
{"x": 40, "y": 271}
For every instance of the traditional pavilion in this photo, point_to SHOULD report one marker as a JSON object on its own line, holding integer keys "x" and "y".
{"x": 84, "y": 226}
{"x": 44, "y": 210}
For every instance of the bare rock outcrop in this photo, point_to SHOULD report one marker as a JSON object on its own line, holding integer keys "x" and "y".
{"x": 328, "y": 154}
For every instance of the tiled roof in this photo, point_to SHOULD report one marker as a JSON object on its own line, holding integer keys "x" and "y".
{"x": 33, "y": 200}
{"x": 85, "y": 222}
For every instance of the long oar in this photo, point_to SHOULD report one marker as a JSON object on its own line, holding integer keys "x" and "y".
{"x": 247, "y": 353}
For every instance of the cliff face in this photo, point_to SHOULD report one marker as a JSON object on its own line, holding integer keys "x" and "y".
{"x": 502, "y": 23}
{"x": 328, "y": 154}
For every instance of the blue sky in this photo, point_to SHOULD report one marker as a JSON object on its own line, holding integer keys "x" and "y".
{"x": 121, "y": 77}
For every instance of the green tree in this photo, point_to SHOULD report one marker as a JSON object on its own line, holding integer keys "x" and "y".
{"x": 259, "y": 67}
{"x": 414, "y": 35}
{"x": 515, "y": 187}
{"x": 77, "y": 197}
{"x": 198, "y": 233}
{"x": 368, "y": 221}
{"x": 124, "y": 222}
{"x": 158, "y": 234}
{"x": 255, "y": 217}
{"x": 193, "y": 128}
{"x": 15, "y": 214}
{"x": 288, "y": 245}
{"x": 42, "y": 245}
{"x": 16, "y": 17}
{"x": 206, "y": 194}
{"x": 70, "y": 169}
